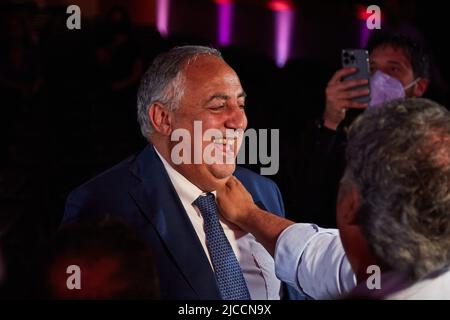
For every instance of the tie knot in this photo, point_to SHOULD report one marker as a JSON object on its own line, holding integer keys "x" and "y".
{"x": 207, "y": 205}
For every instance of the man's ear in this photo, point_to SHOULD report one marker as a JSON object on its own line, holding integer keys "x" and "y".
{"x": 420, "y": 87}
{"x": 161, "y": 118}
{"x": 348, "y": 204}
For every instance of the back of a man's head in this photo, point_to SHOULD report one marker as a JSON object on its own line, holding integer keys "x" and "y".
{"x": 398, "y": 156}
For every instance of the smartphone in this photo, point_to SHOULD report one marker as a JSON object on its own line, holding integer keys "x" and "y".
{"x": 358, "y": 58}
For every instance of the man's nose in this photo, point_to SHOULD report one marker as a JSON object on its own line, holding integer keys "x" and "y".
{"x": 236, "y": 118}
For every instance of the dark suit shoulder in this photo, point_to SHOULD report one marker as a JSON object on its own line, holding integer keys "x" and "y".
{"x": 114, "y": 174}
{"x": 250, "y": 178}
{"x": 101, "y": 194}
{"x": 263, "y": 190}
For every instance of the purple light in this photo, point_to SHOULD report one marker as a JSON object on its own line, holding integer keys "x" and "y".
{"x": 283, "y": 26}
{"x": 225, "y": 13}
{"x": 364, "y": 34}
{"x": 162, "y": 17}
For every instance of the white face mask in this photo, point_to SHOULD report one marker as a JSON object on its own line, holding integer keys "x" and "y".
{"x": 384, "y": 88}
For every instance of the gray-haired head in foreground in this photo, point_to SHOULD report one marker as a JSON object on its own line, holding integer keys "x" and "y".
{"x": 163, "y": 81}
{"x": 399, "y": 157}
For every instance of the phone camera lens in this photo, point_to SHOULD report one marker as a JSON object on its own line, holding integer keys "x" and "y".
{"x": 346, "y": 61}
{"x": 345, "y": 54}
{"x": 352, "y": 58}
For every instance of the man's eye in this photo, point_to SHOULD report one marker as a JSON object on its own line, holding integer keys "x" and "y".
{"x": 395, "y": 69}
{"x": 217, "y": 108}
{"x": 242, "y": 106}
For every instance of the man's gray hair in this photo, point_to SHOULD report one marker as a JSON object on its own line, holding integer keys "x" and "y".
{"x": 398, "y": 156}
{"x": 163, "y": 81}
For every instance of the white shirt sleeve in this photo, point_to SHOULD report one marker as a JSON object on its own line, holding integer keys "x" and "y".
{"x": 312, "y": 260}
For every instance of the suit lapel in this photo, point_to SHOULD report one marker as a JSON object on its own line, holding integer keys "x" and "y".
{"x": 161, "y": 205}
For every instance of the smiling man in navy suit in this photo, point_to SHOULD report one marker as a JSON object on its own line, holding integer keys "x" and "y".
{"x": 171, "y": 203}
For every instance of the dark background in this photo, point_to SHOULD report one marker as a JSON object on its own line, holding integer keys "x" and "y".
{"x": 63, "y": 121}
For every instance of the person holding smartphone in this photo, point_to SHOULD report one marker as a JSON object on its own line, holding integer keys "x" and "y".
{"x": 397, "y": 64}
{"x": 396, "y": 57}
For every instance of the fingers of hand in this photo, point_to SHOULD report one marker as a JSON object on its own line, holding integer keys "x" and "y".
{"x": 352, "y": 94}
{"x": 342, "y": 73}
{"x": 337, "y": 88}
{"x": 356, "y": 105}
{"x": 231, "y": 182}
{"x": 351, "y": 84}
{"x": 349, "y": 104}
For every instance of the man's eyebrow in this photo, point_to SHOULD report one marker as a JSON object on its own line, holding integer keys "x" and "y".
{"x": 220, "y": 96}
{"x": 217, "y": 96}
{"x": 396, "y": 63}
{"x": 242, "y": 95}
{"x": 223, "y": 96}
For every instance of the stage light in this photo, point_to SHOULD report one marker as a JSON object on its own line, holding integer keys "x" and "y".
{"x": 280, "y": 5}
{"x": 224, "y": 21}
{"x": 362, "y": 13}
{"x": 162, "y": 17}
{"x": 284, "y": 18}
{"x": 223, "y": 1}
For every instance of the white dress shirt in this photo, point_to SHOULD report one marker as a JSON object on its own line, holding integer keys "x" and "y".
{"x": 395, "y": 286}
{"x": 256, "y": 263}
{"x": 313, "y": 260}
{"x": 432, "y": 288}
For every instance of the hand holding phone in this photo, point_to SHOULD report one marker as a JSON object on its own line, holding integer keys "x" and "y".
{"x": 359, "y": 59}
{"x": 348, "y": 88}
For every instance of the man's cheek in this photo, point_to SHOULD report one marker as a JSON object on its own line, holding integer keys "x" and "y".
{"x": 245, "y": 121}
{"x": 240, "y": 139}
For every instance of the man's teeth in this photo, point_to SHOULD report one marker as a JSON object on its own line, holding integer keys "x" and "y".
{"x": 224, "y": 141}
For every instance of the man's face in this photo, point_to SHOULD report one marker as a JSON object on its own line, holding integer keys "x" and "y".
{"x": 214, "y": 96}
{"x": 394, "y": 62}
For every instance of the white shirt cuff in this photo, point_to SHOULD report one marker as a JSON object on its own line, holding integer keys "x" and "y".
{"x": 312, "y": 260}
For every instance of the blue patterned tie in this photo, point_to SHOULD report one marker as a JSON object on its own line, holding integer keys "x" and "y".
{"x": 229, "y": 275}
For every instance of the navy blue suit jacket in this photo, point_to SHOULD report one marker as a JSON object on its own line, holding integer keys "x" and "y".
{"x": 138, "y": 192}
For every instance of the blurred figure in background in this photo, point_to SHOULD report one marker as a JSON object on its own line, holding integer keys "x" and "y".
{"x": 119, "y": 55}
{"x": 119, "y": 64}
{"x": 20, "y": 75}
{"x": 113, "y": 264}
{"x": 20, "y": 70}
